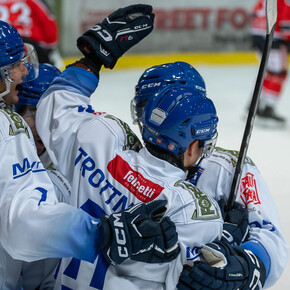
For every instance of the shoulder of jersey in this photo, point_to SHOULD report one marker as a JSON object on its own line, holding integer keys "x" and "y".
{"x": 11, "y": 124}
{"x": 129, "y": 139}
{"x": 226, "y": 158}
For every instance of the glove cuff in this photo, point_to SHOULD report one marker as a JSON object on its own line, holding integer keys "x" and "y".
{"x": 106, "y": 233}
{"x": 89, "y": 65}
{"x": 255, "y": 266}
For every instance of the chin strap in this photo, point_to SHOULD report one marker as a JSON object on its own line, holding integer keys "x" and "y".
{"x": 2, "y": 103}
{"x": 7, "y": 90}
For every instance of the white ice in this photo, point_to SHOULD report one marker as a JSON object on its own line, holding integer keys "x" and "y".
{"x": 230, "y": 87}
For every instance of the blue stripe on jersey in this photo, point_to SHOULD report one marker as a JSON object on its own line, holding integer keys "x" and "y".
{"x": 259, "y": 250}
{"x": 76, "y": 80}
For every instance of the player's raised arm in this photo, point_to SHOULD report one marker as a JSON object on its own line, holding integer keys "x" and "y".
{"x": 69, "y": 94}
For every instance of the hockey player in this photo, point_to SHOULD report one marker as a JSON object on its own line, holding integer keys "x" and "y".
{"x": 33, "y": 224}
{"x": 214, "y": 175}
{"x": 29, "y": 94}
{"x": 108, "y": 170}
{"x": 14, "y": 273}
{"x": 36, "y": 25}
{"x": 277, "y": 67}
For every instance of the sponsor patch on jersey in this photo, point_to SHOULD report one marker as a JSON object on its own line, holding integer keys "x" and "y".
{"x": 196, "y": 176}
{"x": 17, "y": 126}
{"x": 192, "y": 253}
{"x": 89, "y": 109}
{"x": 248, "y": 190}
{"x": 143, "y": 188}
{"x": 21, "y": 169}
{"x": 206, "y": 208}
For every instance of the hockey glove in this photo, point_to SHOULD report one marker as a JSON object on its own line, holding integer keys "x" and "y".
{"x": 236, "y": 224}
{"x": 233, "y": 267}
{"x": 109, "y": 40}
{"x": 140, "y": 234}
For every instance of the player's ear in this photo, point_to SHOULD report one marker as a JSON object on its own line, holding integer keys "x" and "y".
{"x": 193, "y": 146}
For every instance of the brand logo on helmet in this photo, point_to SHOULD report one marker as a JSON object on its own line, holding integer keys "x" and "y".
{"x": 202, "y": 131}
{"x": 200, "y": 88}
{"x": 152, "y": 131}
{"x": 143, "y": 188}
{"x": 248, "y": 189}
{"x": 151, "y": 85}
{"x": 172, "y": 146}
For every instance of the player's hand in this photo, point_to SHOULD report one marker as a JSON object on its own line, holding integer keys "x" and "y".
{"x": 140, "y": 233}
{"x": 109, "y": 40}
{"x": 227, "y": 267}
{"x": 236, "y": 223}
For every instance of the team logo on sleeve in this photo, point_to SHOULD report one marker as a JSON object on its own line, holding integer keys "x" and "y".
{"x": 248, "y": 190}
{"x": 143, "y": 188}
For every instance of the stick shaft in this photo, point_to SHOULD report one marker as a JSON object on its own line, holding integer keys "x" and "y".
{"x": 271, "y": 16}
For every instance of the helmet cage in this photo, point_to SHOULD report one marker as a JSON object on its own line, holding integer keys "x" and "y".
{"x": 208, "y": 146}
{"x": 29, "y": 60}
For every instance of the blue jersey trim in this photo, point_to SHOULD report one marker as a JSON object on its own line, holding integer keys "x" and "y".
{"x": 259, "y": 250}
{"x": 76, "y": 80}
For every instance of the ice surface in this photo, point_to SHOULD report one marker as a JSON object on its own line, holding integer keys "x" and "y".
{"x": 230, "y": 87}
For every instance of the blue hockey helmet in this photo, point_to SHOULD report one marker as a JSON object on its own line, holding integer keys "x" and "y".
{"x": 177, "y": 116}
{"x": 30, "y": 92}
{"x": 12, "y": 52}
{"x": 157, "y": 77}
{"x": 11, "y": 44}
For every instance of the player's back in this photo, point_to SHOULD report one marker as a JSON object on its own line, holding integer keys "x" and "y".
{"x": 111, "y": 178}
{"x": 98, "y": 154}
{"x": 215, "y": 176}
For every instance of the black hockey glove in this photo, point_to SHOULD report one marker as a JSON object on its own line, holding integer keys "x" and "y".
{"x": 233, "y": 267}
{"x": 236, "y": 223}
{"x": 109, "y": 40}
{"x": 139, "y": 233}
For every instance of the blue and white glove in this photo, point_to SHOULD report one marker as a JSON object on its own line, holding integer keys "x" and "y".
{"x": 236, "y": 223}
{"x": 140, "y": 233}
{"x": 227, "y": 268}
{"x": 109, "y": 40}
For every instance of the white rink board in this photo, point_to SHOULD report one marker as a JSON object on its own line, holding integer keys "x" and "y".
{"x": 200, "y": 25}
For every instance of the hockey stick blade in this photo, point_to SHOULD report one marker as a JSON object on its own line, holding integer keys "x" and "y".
{"x": 271, "y": 17}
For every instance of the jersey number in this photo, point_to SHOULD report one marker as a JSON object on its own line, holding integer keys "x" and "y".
{"x": 21, "y": 9}
{"x": 102, "y": 266}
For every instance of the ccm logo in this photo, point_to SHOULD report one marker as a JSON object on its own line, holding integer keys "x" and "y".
{"x": 202, "y": 131}
{"x": 151, "y": 85}
{"x": 120, "y": 236}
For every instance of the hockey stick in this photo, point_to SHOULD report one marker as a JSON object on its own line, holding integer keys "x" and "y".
{"x": 271, "y": 17}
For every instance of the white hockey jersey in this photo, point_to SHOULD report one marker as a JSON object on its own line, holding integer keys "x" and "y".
{"x": 33, "y": 224}
{"x": 17, "y": 274}
{"x": 215, "y": 175}
{"x": 96, "y": 153}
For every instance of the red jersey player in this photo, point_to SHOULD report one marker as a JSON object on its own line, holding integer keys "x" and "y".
{"x": 277, "y": 65}
{"x": 35, "y": 23}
